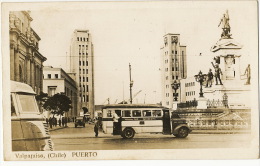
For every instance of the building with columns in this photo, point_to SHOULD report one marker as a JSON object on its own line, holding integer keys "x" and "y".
{"x": 26, "y": 62}
{"x": 82, "y": 65}
{"x": 173, "y": 66}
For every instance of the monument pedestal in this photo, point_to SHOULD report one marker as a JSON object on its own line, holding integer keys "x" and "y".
{"x": 202, "y": 103}
{"x": 174, "y": 105}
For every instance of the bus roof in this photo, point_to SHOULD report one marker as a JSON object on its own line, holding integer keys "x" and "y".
{"x": 21, "y": 87}
{"x": 132, "y": 106}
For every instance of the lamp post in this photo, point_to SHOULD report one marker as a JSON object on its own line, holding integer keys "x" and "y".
{"x": 200, "y": 78}
{"x": 175, "y": 85}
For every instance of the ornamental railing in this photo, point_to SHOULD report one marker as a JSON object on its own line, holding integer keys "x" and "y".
{"x": 217, "y": 103}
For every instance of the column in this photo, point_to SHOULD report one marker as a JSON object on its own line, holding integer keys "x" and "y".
{"x": 16, "y": 64}
{"x": 12, "y": 53}
{"x": 32, "y": 73}
{"x": 28, "y": 61}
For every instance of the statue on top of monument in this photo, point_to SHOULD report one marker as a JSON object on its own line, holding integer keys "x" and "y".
{"x": 225, "y": 26}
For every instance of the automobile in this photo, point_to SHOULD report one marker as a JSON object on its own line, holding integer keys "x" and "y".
{"x": 80, "y": 121}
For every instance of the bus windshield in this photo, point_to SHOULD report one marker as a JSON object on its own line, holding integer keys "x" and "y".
{"x": 28, "y": 103}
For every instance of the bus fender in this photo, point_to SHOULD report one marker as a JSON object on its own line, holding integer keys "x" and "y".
{"x": 176, "y": 129}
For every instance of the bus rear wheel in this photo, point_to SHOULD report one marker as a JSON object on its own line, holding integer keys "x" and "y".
{"x": 183, "y": 132}
{"x": 128, "y": 133}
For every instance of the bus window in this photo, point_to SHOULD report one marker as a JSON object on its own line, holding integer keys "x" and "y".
{"x": 156, "y": 113}
{"x": 109, "y": 113}
{"x": 136, "y": 113}
{"x": 118, "y": 112}
{"x": 126, "y": 113}
{"x": 13, "y": 113}
{"x": 24, "y": 100}
{"x": 147, "y": 113}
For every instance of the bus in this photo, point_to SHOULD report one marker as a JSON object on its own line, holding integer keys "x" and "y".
{"x": 29, "y": 129}
{"x": 130, "y": 119}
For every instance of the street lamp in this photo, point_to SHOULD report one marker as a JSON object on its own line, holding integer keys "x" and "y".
{"x": 200, "y": 78}
{"x": 175, "y": 85}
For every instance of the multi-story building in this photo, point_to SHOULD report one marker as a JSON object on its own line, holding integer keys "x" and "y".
{"x": 26, "y": 62}
{"x": 82, "y": 64}
{"x": 56, "y": 80}
{"x": 173, "y": 67}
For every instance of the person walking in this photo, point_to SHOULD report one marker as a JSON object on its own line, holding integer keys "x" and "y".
{"x": 96, "y": 125}
{"x": 50, "y": 122}
{"x": 59, "y": 122}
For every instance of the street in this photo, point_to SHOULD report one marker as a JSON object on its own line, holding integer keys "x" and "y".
{"x": 80, "y": 138}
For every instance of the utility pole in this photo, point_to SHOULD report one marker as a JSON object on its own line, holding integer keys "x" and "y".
{"x": 131, "y": 85}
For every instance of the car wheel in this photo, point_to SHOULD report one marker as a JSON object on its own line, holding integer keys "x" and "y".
{"x": 183, "y": 132}
{"x": 128, "y": 133}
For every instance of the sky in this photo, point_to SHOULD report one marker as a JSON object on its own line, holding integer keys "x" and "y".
{"x": 132, "y": 32}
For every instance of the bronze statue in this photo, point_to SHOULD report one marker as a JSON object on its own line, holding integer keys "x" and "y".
{"x": 217, "y": 73}
{"x": 225, "y": 26}
{"x": 209, "y": 78}
{"x": 248, "y": 74}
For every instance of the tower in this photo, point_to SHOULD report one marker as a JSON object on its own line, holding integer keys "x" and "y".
{"x": 82, "y": 64}
{"x": 173, "y": 67}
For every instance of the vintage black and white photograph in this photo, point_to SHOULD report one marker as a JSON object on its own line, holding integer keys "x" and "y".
{"x": 130, "y": 80}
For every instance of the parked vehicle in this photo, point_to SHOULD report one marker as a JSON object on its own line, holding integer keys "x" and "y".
{"x": 29, "y": 129}
{"x": 130, "y": 119}
{"x": 80, "y": 121}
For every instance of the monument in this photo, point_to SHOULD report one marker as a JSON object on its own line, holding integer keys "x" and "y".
{"x": 227, "y": 70}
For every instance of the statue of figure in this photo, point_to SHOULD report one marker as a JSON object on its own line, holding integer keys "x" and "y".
{"x": 248, "y": 74}
{"x": 217, "y": 73}
{"x": 217, "y": 59}
{"x": 225, "y": 26}
{"x": 17, "y": 23}
{"x": 209, "y": 78}
{"x": 11, "y": 20}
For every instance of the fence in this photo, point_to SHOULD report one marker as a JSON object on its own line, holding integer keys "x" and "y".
{"x": 188, "y": 104}
{"x": 217, "y": 103}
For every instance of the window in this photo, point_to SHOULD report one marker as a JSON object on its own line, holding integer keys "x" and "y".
{"x": 176, "y": 77}
{"x": 147, "y": 113}
{"x": 83, "y": 79}
{"x": 86, "y": 63}
{"x": 87, "y": 79}
{"x": 136, "y": 113}
{"x": 83, "y": 63}
{"x": 56, "y": 76}
{"x": 24, "y": 100}
{"x": 83, "y": 88}
{"x": 49, "y": 75}
{"x": 83, "y": 98}
{"x": 126, "y": 113}
{"x": 13, "y": 113}
{"x": 172, "y": 68}
{"x": 166, "y": 77}
{"x": 176, "y": 52}
{"x": 109, "y": 113}
{"x": 80, "y": 63}
{"x": 52, "y": 90}
{"x": 156, "y": 113}
{"x": 84, "y": 39}
{"x": 81, "y": 39}
{"x": 83, "y": 71}
{"x": 87, "y": 98}
{"x": 176, "y": 68}
{"x": 87, "y": 88}
{"x": 86, "y": 71}
{"x": 78, "y": 38}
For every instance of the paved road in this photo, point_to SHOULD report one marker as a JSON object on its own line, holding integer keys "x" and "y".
{"x": 71, "y": 138}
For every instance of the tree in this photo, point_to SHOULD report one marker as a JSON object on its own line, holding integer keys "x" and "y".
{"x": 58, "y": 104}
{"x": 41, "y": 99}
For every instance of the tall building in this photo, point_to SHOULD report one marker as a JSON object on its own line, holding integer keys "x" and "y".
{"x": 82, "y": 64}
{"x": 173, "y": 66}
{"x": 56, "y": 80}
{"x": 26, "y": 62}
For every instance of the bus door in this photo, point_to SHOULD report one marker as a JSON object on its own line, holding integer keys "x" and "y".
{"x": 166, "y": 122}
{"x": 117, "y": 126}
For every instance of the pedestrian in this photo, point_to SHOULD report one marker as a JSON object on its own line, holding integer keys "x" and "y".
{"x": 47, "y": 121}
{"x": 96, "y": 122}
{"x": 55, "y": 122}
{"x": 59, "y": 122}
{"x": 50, "y": 122}
{"x": 65, "y": 121}
{"x": 62, "y": 121}
{"x": 115, "y": 123}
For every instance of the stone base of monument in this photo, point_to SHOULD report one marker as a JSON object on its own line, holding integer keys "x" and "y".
{"x": 202, "y": 103}
{"x": 174, "y": 105}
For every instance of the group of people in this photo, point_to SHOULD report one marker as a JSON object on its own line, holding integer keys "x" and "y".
{"x": 53, "y": 122}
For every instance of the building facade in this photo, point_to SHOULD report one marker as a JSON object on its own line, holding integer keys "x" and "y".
{"x": 26, "y": 62}
{"x": 173, "y": 66}
{"x": 82, "y": 64}
{"x": 56, "y": 80}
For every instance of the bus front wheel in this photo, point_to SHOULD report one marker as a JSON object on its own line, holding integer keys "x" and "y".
{"x": 128, "y": 133}
{"x": 183, "y": 132}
